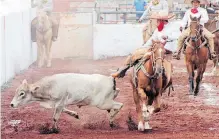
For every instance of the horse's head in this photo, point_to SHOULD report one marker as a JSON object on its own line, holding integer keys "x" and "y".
{"x": 195, "y": 28}
{"x": 157, "y": 57}
{"x": 42, "y": 19}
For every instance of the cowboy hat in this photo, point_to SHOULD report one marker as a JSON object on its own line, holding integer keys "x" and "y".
{"x": 200, "y": 1}
{"x": 162, "y": 15}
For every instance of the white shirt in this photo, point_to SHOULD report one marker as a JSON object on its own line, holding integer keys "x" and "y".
{"x": 201, "y": 11}
{"x": 168, "y": 31}
{"x": 163, "y": 5}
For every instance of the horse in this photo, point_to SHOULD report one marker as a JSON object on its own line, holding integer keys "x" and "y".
{"x": 43, "y": 38}
{"x": 150, "y": 77}
{"x": 196, "y": 54}
{"x": 212, "y": 26}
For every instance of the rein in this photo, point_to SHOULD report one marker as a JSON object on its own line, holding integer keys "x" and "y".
{"x": 156, "y": 73}
{"x": 197, "y": 37}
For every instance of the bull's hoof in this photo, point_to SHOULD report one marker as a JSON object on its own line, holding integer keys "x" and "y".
{"x": 112, "y": 125}
{"x": 76, "y": 116}
{"x": 55, "y": 130}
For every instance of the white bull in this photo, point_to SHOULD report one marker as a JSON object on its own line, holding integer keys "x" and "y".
{"x": 60, "y": 90}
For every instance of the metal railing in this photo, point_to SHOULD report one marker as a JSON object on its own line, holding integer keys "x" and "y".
{"x": 102, "y": 16}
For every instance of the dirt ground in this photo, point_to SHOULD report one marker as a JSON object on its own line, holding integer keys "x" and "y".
{"x": 182, "y": 116}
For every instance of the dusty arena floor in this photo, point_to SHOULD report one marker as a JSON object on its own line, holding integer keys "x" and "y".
{"x": 182, "y": 116}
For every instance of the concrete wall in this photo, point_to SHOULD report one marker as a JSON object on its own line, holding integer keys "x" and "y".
{"x": 17, "y": 50}
{"x": 75, "y": 38}
{"x": 116, "y": 39}
{"x": 122, "y": 39}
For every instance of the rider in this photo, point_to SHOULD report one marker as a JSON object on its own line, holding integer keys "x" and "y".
{"x": 196, "y": 11}
{"x": 153, "y": 7}
{"x": 159, "y": 36}
{"x": 47, "y": 6}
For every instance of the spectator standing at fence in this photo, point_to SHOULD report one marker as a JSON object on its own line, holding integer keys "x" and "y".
{"x": 139, "y": 7}
{"x": 154, "y": 7}
{"x": 47, "y": 6}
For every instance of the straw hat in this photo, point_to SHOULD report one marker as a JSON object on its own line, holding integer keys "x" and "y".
{"x": 201, "y": 1}
{"x": 162, "y": 14}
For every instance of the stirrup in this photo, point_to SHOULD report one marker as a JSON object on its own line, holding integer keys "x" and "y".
{"x": 176, "y": 55}
{"x": 213, "y": 56}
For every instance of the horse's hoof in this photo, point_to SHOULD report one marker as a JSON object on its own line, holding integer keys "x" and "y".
{"x": 112, "y": 125}
{"x": 40, "y": 66}
{"x": 140, "y": 126}
{"x": 76, "y": 116}
{"x": 55, "y": 130}
{"x": 48, "y": 65}
{"x": 147, "y": 126}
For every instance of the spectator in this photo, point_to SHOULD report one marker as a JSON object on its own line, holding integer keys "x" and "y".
{"x": 139, "y": 6}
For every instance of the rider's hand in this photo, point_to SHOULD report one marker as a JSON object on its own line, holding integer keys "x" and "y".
{"x": 181, "y": 29}
{"x": 139, "y": 21}
{"x": 164, "y": 37}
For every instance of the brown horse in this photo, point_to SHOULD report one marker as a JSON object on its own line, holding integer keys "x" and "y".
{"x": 43, "y": 38}
{"x": 196, "y": 54}
{"x": 212, "y": 26}
{"x": 148, "y": 81}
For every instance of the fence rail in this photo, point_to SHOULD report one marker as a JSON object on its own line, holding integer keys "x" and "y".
{"x": 124, "y": 14}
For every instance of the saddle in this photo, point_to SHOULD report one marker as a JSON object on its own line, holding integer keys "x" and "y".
{"x": 166, "y": 74}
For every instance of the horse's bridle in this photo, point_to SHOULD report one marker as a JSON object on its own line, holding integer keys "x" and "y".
{"x": 196, "y": 38}
{"x": 44, "y": 31}
{"x": 157, "y": 73}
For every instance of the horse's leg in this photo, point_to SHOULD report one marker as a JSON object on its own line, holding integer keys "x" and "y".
{"x": 138, "y": 109}
{"x": 157, "y": 102}
{"x": 48, "y": 52}
{"x": 190, "y": 70}
{"x": 216, "y": 67}
{"x": 214, "y": 70}
{"x": 146, "y": 111}
{"x": 40, "y": 54}
{"x": 199, "y": 77}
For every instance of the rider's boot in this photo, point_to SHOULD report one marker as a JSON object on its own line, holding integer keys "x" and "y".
{"x": 121, "y": 71}
{"x": 177, "y": 54}
{"x": 211, "y": 49}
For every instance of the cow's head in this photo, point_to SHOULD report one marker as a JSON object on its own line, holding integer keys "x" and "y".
{"x": 23, "y": 94}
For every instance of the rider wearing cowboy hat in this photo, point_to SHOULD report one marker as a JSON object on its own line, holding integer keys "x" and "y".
{"x": 159, "y": 36}
{"x": 153, "y": 7}
{"x": 195, "y": 11}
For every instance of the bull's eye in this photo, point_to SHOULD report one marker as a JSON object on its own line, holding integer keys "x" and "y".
{"x": 22, "y": 93}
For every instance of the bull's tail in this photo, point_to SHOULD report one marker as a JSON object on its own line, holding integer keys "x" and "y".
{"x": 114, "y": 83}
{"x": 116, "y": 90}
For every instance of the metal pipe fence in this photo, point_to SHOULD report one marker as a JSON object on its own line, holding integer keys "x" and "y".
{"x": 125, "y": 16}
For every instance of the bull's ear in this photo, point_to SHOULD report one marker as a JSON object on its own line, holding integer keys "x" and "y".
{"x": 33, "y": 89}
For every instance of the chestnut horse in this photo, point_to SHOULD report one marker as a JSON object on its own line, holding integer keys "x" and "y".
{"x": 213, "y": 26}
{"x": 149, "y": 79}
{"x": 196, "y": 54}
